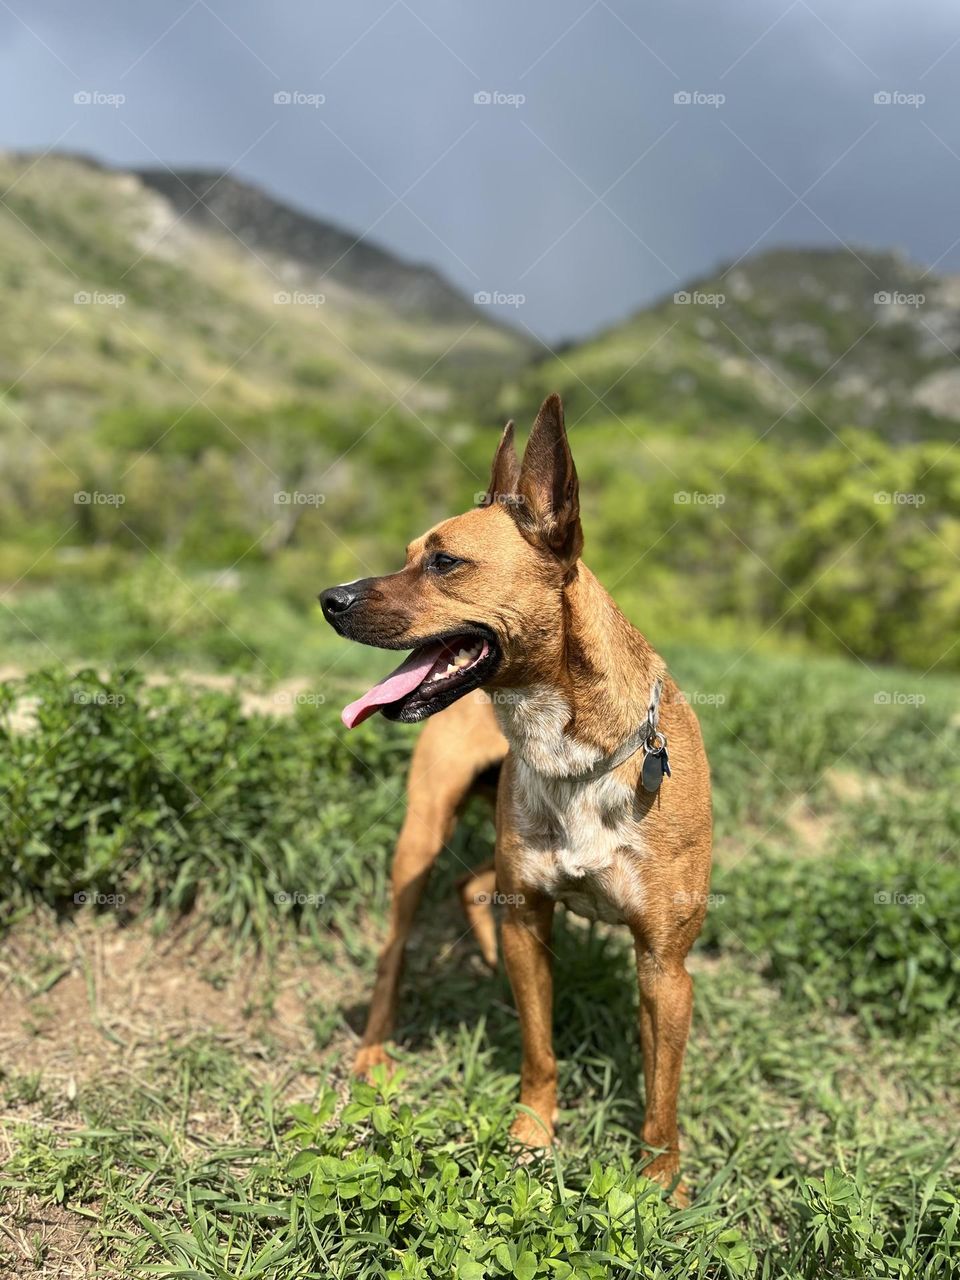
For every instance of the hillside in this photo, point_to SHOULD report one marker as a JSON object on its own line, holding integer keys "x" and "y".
{"x": 112, "y": 297}
{"x": 322, "y": 250}
{"x": 804, "y": 339}
{"x": 203, "y": 285}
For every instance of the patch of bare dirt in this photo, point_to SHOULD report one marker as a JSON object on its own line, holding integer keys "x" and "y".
{"x": 812, "y": 829}
{"x": 91, "y": 997}
{"x": 41, "y": 1241}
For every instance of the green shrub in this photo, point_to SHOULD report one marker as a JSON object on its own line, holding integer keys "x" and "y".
{"x": 434, "y": 1193}
{"x": 845, "y": 1234}
{"x": 878, "y": 937}
{"x": 173, "y": 794}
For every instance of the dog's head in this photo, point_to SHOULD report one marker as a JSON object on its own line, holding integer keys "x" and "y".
{"x": 479, "y": 600}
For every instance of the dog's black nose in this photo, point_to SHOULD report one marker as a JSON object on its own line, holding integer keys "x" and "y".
{"x": 337, "y": 600}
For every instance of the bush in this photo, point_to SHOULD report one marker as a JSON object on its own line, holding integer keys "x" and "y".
{"x": 174, "y": 794}
{"x": 878, "y": 938}
{"x": 434, "y": 1194}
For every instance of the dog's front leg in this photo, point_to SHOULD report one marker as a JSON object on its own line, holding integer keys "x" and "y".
{"x": 526, "y": 952}
{"x": 666, "y": 1004}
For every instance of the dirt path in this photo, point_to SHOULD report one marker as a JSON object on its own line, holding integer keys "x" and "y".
{"x": 281, "y": 699}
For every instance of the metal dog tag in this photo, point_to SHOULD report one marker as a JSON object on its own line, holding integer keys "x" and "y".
{"x": 656, "y": 763}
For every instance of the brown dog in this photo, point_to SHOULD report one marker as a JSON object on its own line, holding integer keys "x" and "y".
{"x": 499, "y": 598}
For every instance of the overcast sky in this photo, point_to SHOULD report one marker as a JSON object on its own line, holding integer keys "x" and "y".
{"x": 589, "y": 190}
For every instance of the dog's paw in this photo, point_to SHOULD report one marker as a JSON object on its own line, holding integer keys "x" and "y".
{"x": 531, "y": 1130}
{"x": 483, "y": 965}
{"x": 371, "y": 1056}
{"x": 666, "y": 1171}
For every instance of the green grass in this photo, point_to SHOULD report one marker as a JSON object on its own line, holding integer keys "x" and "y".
{"x": 812, "y": 1152}
{"x": 818, "y": 1106}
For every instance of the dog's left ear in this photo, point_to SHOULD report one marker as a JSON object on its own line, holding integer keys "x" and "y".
{"x": 549, "y": 511}
{"x": 505, "y": 470}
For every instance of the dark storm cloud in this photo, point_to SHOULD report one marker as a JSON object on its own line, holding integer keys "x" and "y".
{"x": 595, "y": 193}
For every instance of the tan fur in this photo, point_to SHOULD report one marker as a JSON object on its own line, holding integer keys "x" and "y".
{"x": 573, "y": 683}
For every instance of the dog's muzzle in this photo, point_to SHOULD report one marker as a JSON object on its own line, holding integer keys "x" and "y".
{"x": 336, "y": 601}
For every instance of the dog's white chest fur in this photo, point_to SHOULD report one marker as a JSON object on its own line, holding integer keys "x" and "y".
{"x": 581, "y": 842}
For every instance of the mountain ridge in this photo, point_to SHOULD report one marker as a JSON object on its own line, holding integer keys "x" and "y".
{"x": 270, "y": 223}
{"x": 113, "y": 297}
{"x": 818, "y": 338}
{"x": 801, "y": 340}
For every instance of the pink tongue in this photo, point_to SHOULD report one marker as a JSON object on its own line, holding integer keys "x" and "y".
{"x": 396, "y": 685}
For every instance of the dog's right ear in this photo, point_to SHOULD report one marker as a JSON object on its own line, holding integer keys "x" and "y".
{"x": 548, "y": 513}
{"x": 505, "y": 472}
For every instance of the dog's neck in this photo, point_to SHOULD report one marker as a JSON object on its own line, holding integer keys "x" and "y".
{"x": 589, "y": 690}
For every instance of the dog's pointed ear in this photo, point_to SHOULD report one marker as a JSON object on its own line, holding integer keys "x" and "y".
{"x": 505, "y": 471}
{"x": 549, "y": 509}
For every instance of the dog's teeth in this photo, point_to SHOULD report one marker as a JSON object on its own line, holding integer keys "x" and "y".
{"x": 464, "y": 658}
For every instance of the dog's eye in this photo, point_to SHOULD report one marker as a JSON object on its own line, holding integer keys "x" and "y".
{"x": 441, "y": 562}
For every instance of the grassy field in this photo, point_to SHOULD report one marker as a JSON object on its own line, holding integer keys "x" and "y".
{"x": 177, "y": 1098}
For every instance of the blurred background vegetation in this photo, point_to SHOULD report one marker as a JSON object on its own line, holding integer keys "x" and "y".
{"x": 198, "y": 431}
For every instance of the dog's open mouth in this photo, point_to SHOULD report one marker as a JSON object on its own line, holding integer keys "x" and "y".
{"x": 435, "y": 674}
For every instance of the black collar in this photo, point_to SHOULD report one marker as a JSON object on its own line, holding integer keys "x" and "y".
{"x": 641, "y": 736}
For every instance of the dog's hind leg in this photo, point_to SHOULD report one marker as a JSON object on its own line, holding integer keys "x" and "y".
{"x": 476, "y": 890}
{"x": 451, "y": 755}
{"x": 428, "y": 825}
